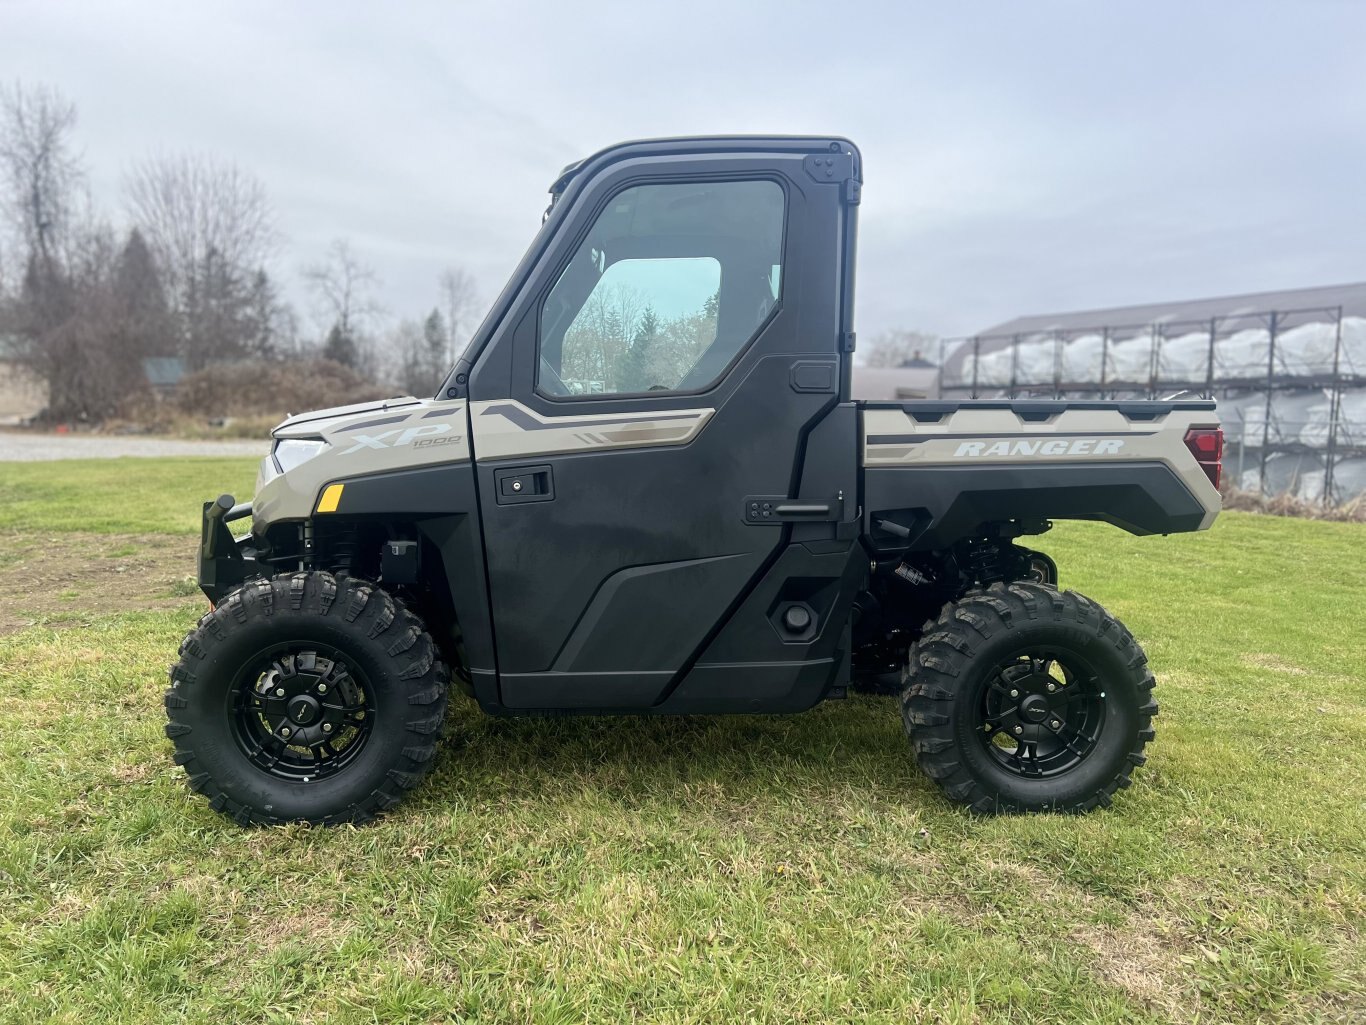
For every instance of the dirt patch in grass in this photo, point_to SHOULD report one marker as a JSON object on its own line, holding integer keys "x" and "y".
{"x": 1141, "y": 956}
{"x": 64, "y": 579}
{"x": 131, "y": 773}
{"x": 311, "y": 927}
{"x": 1274, "y": 663}
{"x": 1144, "y": 965}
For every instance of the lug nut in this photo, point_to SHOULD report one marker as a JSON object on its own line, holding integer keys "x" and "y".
{"x": 327, "y": 727}
{"x": 1019, "y": 730}
{"x": 1056, "y": 724}
{"x": 279, "y": 692}
{"x": 1052, "y": 687}
{"x": 284, "y": 731}
{"x": 1015, "y": 694}
{"x": 322, "y": 688}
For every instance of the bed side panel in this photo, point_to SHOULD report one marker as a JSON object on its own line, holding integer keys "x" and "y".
{"x": 1122, "y": 463}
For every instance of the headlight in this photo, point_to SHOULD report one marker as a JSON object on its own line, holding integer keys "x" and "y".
{"x": 266, "y": 473}
{"x": 292, "y": 452}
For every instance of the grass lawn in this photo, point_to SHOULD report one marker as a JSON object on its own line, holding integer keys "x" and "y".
{"x": 715, "y": 871}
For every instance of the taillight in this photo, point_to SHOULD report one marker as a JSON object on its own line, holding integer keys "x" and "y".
{"x": 1207, "y": 445}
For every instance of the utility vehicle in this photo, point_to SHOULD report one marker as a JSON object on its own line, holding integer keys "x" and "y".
{"x": 644, "y": 489}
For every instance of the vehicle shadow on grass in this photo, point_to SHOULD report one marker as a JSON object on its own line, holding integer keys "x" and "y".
{"x": 852, "y": 744}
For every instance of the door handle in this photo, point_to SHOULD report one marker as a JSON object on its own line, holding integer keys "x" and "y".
{"x": 516, "y": 484}
{"x": 760, "y": 509}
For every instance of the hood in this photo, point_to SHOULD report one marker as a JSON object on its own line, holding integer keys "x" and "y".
{"x": 289, "y": 426}
{"x": 349, "y": 442}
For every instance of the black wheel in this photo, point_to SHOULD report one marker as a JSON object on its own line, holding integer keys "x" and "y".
{"x": 306, "y": 699}
{"x": 1022, "y": 698}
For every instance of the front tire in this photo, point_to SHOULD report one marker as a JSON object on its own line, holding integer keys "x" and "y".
{"x": 1023, "y": 698}
{"x": 306, "y": 699}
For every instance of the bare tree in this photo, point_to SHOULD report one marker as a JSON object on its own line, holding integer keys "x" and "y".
{"x": 41, "y": 174}
{"x": 460, "y": 297}
{"x": 899, "y": 347}
{"x": 211, "y": 229}
{"x": 41, "y": 177}
{"x": 408, "y": 346}
{"x": 344, "y": 290}
{"x": 112, "y": 326}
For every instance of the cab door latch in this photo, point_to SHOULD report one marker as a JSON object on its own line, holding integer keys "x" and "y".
{"x": 515, "y": 484}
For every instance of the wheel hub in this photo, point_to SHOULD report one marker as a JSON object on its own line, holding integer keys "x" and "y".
{"x": 303, "y": 709}
{"x": 1042, "y": 712}
{"x": 301, "y": 713}
{"x": 1034, "y": 708}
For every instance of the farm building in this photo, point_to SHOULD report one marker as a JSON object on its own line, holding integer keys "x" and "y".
{"x": 22, "y": 395}
{"x": 1288, "y": 370}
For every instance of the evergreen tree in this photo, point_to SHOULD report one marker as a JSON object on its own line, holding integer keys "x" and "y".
{"x": 146, "y": 327}
{"x": 638, "y": 370}
{"x": 341, "y": 348}
{"x": 435, "y": 341}
{"x": 215, "y": 318}
{"x": 268, "y": 319}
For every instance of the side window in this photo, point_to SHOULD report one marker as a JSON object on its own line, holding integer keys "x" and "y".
{"x": 671, "y": 282}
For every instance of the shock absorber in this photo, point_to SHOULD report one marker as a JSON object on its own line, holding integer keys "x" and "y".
{"x": 983, "y": 562}
{"x": 912, "y": 575}
{"x": 341, "y": 550}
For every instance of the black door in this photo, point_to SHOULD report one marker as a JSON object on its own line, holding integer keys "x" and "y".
{"x": 642, "y": 412}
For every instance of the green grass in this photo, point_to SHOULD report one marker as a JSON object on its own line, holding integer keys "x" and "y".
{"x": 707, "y": 870}
{"x": 118, "y": 496}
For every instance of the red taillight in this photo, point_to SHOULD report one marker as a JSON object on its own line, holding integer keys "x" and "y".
{"x": 1207, "y": 445}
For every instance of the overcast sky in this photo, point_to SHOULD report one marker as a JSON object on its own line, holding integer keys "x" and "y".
{"x": 1019, "y": 157}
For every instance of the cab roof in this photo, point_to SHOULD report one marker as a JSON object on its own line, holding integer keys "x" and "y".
{"x": 709, "y": 144}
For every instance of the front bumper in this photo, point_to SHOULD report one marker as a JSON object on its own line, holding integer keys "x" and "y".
{"x": 224, "y": 563}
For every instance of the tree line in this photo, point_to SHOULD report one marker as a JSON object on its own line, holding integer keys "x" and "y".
{"x": 619, "y": 343}
{"x": 83, "y": 303}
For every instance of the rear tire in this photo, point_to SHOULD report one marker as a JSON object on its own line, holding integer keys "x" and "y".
{"x": 1021, "y": 698}
{"x": 306, "y": 699}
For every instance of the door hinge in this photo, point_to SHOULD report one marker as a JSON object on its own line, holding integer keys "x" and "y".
{"x": 836, "y": 168}
{"x": 847, "y": 341}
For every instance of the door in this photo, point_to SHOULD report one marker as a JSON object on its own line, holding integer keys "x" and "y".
{"x": 641, "y": 415}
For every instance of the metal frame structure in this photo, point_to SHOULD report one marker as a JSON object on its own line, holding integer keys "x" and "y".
{"x": 1343, "y": 440}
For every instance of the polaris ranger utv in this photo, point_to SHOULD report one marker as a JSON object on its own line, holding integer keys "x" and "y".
{"x": 644, "y": 489}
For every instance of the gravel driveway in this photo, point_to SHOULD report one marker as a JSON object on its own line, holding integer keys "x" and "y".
{"x": 29, "y": 448}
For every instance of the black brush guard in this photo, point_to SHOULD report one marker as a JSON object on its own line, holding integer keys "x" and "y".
{"x": 224, "y": 564}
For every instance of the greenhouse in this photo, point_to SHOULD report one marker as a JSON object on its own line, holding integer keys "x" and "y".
{"x": 1288, "y": 370}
